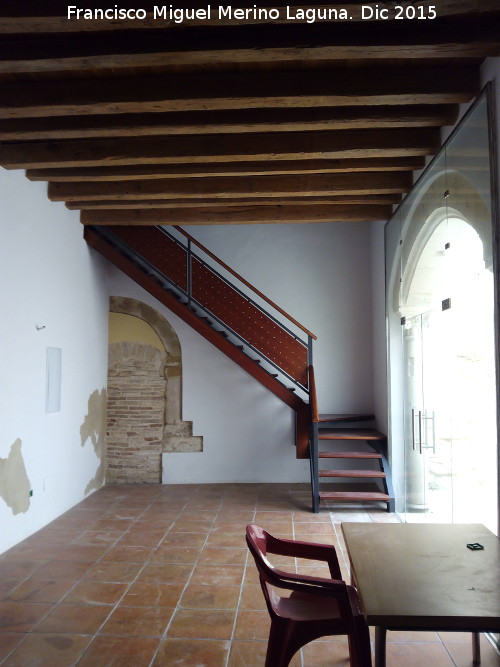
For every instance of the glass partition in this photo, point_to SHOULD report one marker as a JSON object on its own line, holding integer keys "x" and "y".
{"x": 441, "y": 330}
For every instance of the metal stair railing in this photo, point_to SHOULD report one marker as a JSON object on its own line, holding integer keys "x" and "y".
{"x": 203, "y": 289}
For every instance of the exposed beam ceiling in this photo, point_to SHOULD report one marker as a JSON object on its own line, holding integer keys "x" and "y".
{"x": 230, "y": 120}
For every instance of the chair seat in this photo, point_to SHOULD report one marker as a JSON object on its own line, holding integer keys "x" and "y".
{"x": 304, "y": 607}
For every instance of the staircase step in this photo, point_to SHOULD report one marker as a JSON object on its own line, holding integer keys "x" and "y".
{"x": 350, "y": 434}
{"x": 354, "y": 495}
{"x": 351, "y": 473}
{"x": 348, "y": 417}
{"x": 349, "y": 455}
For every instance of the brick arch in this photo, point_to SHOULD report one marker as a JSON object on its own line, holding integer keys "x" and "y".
{"x": 167, "y": 335}
{"x": 176, "y": 434}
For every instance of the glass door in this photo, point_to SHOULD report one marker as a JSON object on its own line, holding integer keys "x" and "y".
{"x": 429, "y": 360}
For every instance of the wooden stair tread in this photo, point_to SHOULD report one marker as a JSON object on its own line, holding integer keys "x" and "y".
{"x": 350, "y": 434}
{"x": 354, "y": 495}
{"x": 349, "y": 455}
{"x": 351, "y": 473}
{"x": 347, "y": 417}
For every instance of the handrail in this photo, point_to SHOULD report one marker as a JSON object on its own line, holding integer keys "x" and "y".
{"x": 312, "y": 395}
{"x": 245, "y": 282}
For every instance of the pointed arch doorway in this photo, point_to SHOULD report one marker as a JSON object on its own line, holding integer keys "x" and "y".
{"x": 144, "y": 411}
{"x": 450, "y": 383}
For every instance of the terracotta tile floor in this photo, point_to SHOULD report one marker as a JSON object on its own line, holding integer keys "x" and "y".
{"x": 160, "y": 575}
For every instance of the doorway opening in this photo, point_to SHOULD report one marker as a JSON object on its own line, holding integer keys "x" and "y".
{"x": 450, "y": 384}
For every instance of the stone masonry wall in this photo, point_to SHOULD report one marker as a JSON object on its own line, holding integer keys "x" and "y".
{"x": 136, "y": 413}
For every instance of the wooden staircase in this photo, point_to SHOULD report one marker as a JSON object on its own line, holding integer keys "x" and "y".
{"x": 361, "y": 458}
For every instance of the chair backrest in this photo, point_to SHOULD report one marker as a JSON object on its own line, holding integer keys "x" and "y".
{"x": 260, "y": 542}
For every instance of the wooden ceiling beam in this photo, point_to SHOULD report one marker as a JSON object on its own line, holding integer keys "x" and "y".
{"x": 227, "y": 188}
{"x": 386, "y": 200}
{"x": 276, "y": 167}
{"x": 438, "y": 38}
{"x": 335, "y": 87}
{"x": 478, "y": 49}
{"x": 236, "y": 215}
{"x": 228, "y": 122}
{"x": 223, "y": 148}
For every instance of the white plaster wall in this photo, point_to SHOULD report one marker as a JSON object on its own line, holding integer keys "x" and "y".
{"x": 320, "y": 274}
{"x": 50, "y": 279}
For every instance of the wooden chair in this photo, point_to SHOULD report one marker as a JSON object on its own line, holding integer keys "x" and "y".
{"x": 317, "y": 606}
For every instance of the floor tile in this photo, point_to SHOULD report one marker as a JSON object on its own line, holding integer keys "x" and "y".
{"x": 19, "y": 569}
{"x": 461, "y": 653}
{"x": 167, "y": 573}
{"x": 37, "y": 589}
{"x": 121, "y": 572}
{"x": 223, "y": 556}
{"x": 8, "y": 642}
{"x": 144, "y": 594}
{"x": 252, "y": 597}
{"x": 81, "y": 552}
{"x": 58, "y": 569}
{"x": 91, "y": 537}
{"x": 191, "y": 526}
{"x": 119, "y": 553}
{"x": 217, "y": 574}
{"x": 252, "y": 625}
{"x": 141, "y": 538}
{"x": 96, "y": 592}
{"x": 170, "y": 554}
{"x": 236, "y": 540}
{"x": 21, "y": 616}
{"x": 417, "y": 654}
{"x": 138, "y": 621}
{"x": 107, "y": 651}
{"x": 188, "y": 652}
{"x": 48, "y": 650}
{"x": 7, "y": 586}
{"x": 74, "y": 619}
{"x": 326, "y": 653}
{"x": 215, "y": 596}
{"x": 202, "y": 624}
{"x": 184, "y": 539}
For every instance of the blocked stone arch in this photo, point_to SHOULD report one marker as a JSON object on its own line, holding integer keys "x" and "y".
{"x": 176, "y": 434}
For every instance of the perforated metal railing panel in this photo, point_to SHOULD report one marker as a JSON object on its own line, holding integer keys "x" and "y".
{"x": 158, "y": 249}
{"x": 249, "y": 322}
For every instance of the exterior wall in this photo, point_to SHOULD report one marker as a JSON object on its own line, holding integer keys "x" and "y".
{"x": 321, "y": 275}
{"x": 53, "y": 295}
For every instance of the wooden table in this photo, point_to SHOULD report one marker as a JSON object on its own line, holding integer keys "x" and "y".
{"x": 423, "y": 577}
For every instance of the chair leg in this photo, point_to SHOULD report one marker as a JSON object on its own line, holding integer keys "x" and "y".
{"x": 286, "y": 637}
{"x": 359, "y": 646}
{"x": 278, "y": 649}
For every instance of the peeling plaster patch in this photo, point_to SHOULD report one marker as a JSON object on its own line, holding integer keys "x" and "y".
{"x": 94, "y": 428}
{"x": 14, "y": 483}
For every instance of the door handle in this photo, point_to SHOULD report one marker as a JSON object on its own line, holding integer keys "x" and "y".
{"x": 413, "y": 441}
{"x": 420, "y": 430}
{"x": 413, "y": 428}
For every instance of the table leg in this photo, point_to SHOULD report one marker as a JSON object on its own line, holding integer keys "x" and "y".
{"x": 380, "y": 634}
{"x": 476, "y": 648}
